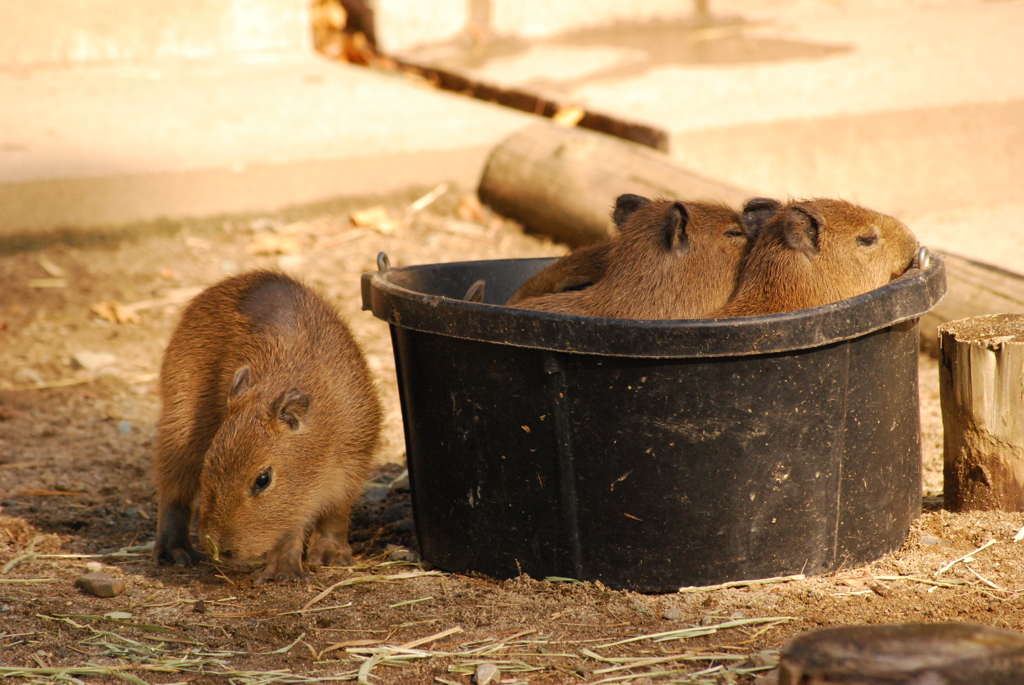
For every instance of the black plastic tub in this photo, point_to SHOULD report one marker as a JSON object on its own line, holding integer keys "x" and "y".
{"x": 651, "y": 455}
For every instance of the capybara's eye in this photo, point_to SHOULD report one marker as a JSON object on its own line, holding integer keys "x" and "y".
{"x": 867, "y": 240}
{"x": 735, "y": 234}
{"x": 262, "y": 481}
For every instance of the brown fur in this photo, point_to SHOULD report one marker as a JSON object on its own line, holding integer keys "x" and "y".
{"x": 815, "y": 252}
{"x": 671, "y": 260}
{"x": 476, "y": 292}
{"x": 579, "y": 269}
{"x": 261, "y": 374}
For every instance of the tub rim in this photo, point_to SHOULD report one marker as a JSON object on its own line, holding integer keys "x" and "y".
{"x": 905, "y": 298}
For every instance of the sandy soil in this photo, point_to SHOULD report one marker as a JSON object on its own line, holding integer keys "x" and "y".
{"x": 76, "y": 438}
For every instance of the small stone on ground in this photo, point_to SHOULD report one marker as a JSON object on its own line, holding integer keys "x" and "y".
{"x": 92, "y": 361}
{"x": 486, "y": 673}
{"x": 100, "y": 584}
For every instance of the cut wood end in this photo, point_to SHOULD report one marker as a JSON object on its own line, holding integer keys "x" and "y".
{"x": 994, "y": 330}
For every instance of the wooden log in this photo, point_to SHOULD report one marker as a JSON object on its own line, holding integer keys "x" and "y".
{"x": 908, "y": 653}
{"x": 981, "y": 376}
{"x": 563, "y": 181}
{"x": 972, "y": 289}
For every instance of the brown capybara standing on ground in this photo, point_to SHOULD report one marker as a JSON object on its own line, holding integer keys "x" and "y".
{"x": 269, "y": 422}
{"x": 671, "y": 260}
{"x": 815, "y": 252}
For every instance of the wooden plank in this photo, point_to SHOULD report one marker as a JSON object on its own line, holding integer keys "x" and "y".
{"x": 525, "y": 101}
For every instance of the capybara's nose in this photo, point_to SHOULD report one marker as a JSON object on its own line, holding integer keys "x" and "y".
{"x": 226, "y": 554}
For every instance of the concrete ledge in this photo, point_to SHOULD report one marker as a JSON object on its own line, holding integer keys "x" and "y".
{"x": 404, "y": 25}
{"x": 101, "y": 145}
{"x": 908, "y": 160}
{"x": 63, "y": 31}
{"x": 36, "y": 206}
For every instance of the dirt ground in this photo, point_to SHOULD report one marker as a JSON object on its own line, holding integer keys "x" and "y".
{"x": 78, "y": 406}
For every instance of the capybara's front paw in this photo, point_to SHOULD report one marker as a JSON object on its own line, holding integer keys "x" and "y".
{"x": 173, "y": 545}
{"x": 268, "y": 574}
{"x": 281, "y": 566}
{"x": 183, "y": 554}
{"x": 327, "y": 550}
{"x": 188, "y": 557}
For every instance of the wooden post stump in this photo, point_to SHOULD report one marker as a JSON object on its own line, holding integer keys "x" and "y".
{"x": 904, "y": 654}
{"x": 981, "y": 388}
{"x": 563, "y": 181}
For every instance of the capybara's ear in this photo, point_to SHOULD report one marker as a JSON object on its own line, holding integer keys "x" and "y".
{"x": 802, "y": 228}
{"x": 756, "y": 212}
{"x": 676, "y": 220}
{"x": 626, "y": 205}
{"x": 241, "y": 383}
{"x": 290, "y": 408}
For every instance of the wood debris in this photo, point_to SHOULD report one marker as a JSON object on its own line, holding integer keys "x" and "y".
{"x": 377, "y": 218}
{"x": 51, "y": 268}
{"x": 40, "y": 283}
{"x": 114, "y": 312}
{"x": 266, "y": 243}
{"x": 568, "y": 116}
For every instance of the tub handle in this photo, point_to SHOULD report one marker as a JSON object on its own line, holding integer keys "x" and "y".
{"x": 383, "y": 263}
{"x": 922, "y": 261}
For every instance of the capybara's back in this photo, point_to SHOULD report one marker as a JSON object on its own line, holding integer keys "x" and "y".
{"x": 671, "y": 260}
{"x": 580, "y": 269}
{"x": 269, "y": 422}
